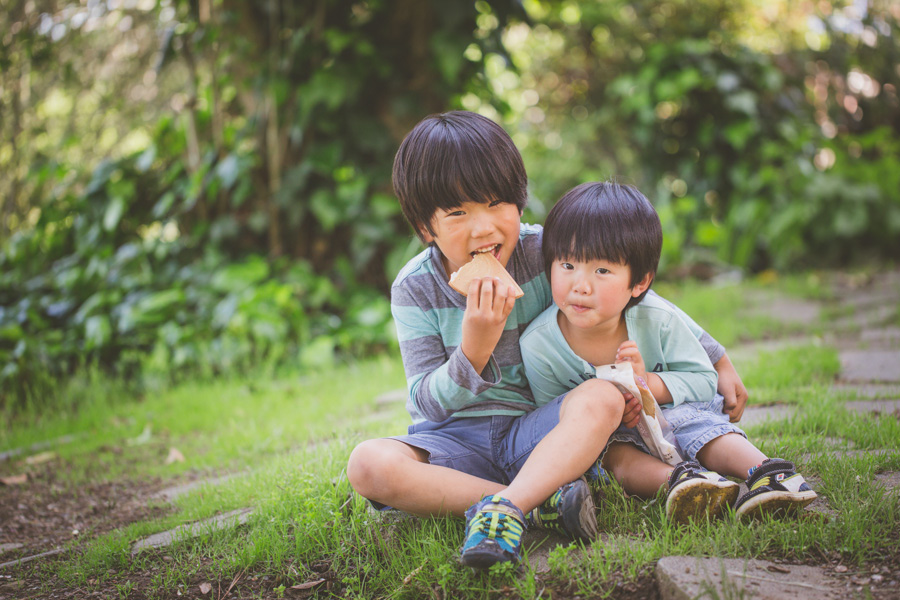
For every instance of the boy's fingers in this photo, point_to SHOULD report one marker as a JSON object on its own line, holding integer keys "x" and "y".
{"x": 474, "y": 294}
{"x": 487, "y": 293}
{"x": 510, "y": 301}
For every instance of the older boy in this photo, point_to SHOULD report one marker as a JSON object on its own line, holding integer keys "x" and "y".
{"x": 478, "y": 445}
{"x": 601, "y": 248}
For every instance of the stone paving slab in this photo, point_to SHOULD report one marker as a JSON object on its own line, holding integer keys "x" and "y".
{"x": 689, "y": 577}
{"x": 873, "y": 406}
{"x": 27, "y": 559}
{"x": 171, "y": 493}
{"x": 392, "y": 397}
{"x": 757, "y": 415}
{"x": 890, "y": 481}
{"x": 869, "y": 390}
{"x": 541, "y": 542}
{"x": 182, "y": 532}
{"x": 865, "y": 319}
{"x": 870, "y": 365}
{"x": 884, "y": 335}
{"x": 786, "y": 309}
{"x": 66, "y": 439}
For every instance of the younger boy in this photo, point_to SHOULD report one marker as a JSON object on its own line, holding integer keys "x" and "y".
{"x": 601, "y": 248}
{"x": 478, "y": 445}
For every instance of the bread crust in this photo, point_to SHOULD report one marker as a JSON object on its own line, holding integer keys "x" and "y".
{"x": 483, "y": 265}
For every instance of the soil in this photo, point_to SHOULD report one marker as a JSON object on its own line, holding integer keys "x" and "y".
{"x": 45, "y": 512}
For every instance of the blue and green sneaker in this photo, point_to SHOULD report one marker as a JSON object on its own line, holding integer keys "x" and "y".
{"x": 494, "y": 528}
{"x": 569, "y": 511}
{"x": 775, "y": 488}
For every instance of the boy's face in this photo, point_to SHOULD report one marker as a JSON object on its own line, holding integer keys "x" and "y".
{"x": 593, "y": 294}
{"x": 473, "y": 227}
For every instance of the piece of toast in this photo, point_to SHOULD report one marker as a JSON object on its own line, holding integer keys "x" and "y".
{"x": 483, "y": 265}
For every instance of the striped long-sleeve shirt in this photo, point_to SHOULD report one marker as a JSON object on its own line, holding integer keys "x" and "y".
{"x": 428, "y": 314}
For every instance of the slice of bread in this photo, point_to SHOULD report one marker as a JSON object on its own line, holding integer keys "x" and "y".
{"x": 483, "y": 265}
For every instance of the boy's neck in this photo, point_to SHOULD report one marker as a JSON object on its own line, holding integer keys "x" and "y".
{"x": 597, "y": 345}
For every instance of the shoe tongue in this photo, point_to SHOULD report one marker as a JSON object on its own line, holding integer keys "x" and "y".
{"x": 503, "y": 509}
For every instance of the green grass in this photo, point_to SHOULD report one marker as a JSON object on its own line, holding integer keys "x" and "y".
{"x": 287, "y": 439}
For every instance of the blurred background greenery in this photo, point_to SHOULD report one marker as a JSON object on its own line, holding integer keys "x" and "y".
{"x": 202, "y": 187}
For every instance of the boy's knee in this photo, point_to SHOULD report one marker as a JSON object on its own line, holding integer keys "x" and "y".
{"x": 597, "y": 401}
{"x": 363, "y": 465}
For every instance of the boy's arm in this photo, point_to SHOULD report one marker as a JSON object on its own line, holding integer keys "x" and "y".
{"x": 730, "y": 385}
{"x": 545, "y": 385}
{"x": 688, "y": 375}
{"x": 439, "y": 384}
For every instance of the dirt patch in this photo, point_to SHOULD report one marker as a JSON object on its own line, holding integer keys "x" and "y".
{"x": 46, "y": 511}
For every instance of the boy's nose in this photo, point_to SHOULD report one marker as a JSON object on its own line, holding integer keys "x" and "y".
{"x": 483, "y": 225}
{"x": 582, "y": 285}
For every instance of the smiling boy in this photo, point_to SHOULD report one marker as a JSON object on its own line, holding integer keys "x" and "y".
{"x": 601, "y": 248}
{"x": 478, "y": 446}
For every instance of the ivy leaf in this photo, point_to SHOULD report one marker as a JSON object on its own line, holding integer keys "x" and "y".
{"x": 113, "y": 215}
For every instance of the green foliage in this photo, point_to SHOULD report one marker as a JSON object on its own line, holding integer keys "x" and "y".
{"x": 750, "y": 155}
{"x": 252, "y": 221}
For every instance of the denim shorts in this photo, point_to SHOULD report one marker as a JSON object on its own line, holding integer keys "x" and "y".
{"x": 694, "y": 423}
{"x": 492, "y": 448}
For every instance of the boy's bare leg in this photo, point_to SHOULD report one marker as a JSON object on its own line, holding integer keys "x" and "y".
{"x": 398, "y": 475}
{"x": 730, "y": 454}
{"x": 588, "y": 416}
{"x": 640, "y": 474}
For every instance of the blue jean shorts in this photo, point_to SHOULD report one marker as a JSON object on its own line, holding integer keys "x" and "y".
{"x": 695, "y": 424}
{"x": 492, "y": 448}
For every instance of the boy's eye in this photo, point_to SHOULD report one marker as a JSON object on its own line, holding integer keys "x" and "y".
{"x": 456, "y": 213}
{"x": 603, "y": 271}
{"x": 567, "y": 266}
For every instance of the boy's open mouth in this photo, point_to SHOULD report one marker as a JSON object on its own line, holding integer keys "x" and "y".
{"x": 495, "y": 250}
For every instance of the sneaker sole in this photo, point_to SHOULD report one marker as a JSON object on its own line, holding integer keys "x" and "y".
{"x": 482, "y": 559}
{"x": 775, "y": 503}
{"x": 585, "y": 526}
{"x": 701, "y": 499}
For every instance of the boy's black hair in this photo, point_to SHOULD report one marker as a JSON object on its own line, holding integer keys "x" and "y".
{"x": 605, "y": 221}
{"x": 455, "y": 157}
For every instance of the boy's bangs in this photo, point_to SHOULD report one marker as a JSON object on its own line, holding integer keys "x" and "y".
{"x": 466, "y": 172}
{"x": 585, "y": 235}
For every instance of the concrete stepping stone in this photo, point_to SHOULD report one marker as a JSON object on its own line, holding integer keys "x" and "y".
{"x": 874, "y": 406}
{"x": 890, "y": 481}
{"x": 27, "y": 559}
{"x": 866, "y": 318}
{"x": 4, "y": 548}
{"x": 889, "y": 336}
{"x": 785, "y": 309}
{"x": 689, "y": 577}
{"x": 66, "y": 439}
{"x": 751, "y": 350}
{"x": 190, "y": 530}
{"x": 171, "y": 493}
{"x": 870, "y": 365}
{"x": 541, "y": 542}
{"x": 392, "y": 397}
{"x": 757, "y": 415}
{"x": 869, "y": 390}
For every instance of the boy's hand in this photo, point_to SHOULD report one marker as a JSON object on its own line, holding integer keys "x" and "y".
{"x": 628, "y": 352}
{"x": 488, "y": 304}
{"x": 632, "y": 412}
{"x": 732, "y": 388}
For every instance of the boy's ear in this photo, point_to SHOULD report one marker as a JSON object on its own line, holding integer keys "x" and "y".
{"x": 642, "y": 286}
{"x": 426, "y": 237}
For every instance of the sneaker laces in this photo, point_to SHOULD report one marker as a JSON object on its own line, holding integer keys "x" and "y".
{"x": 497, "y": 525}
